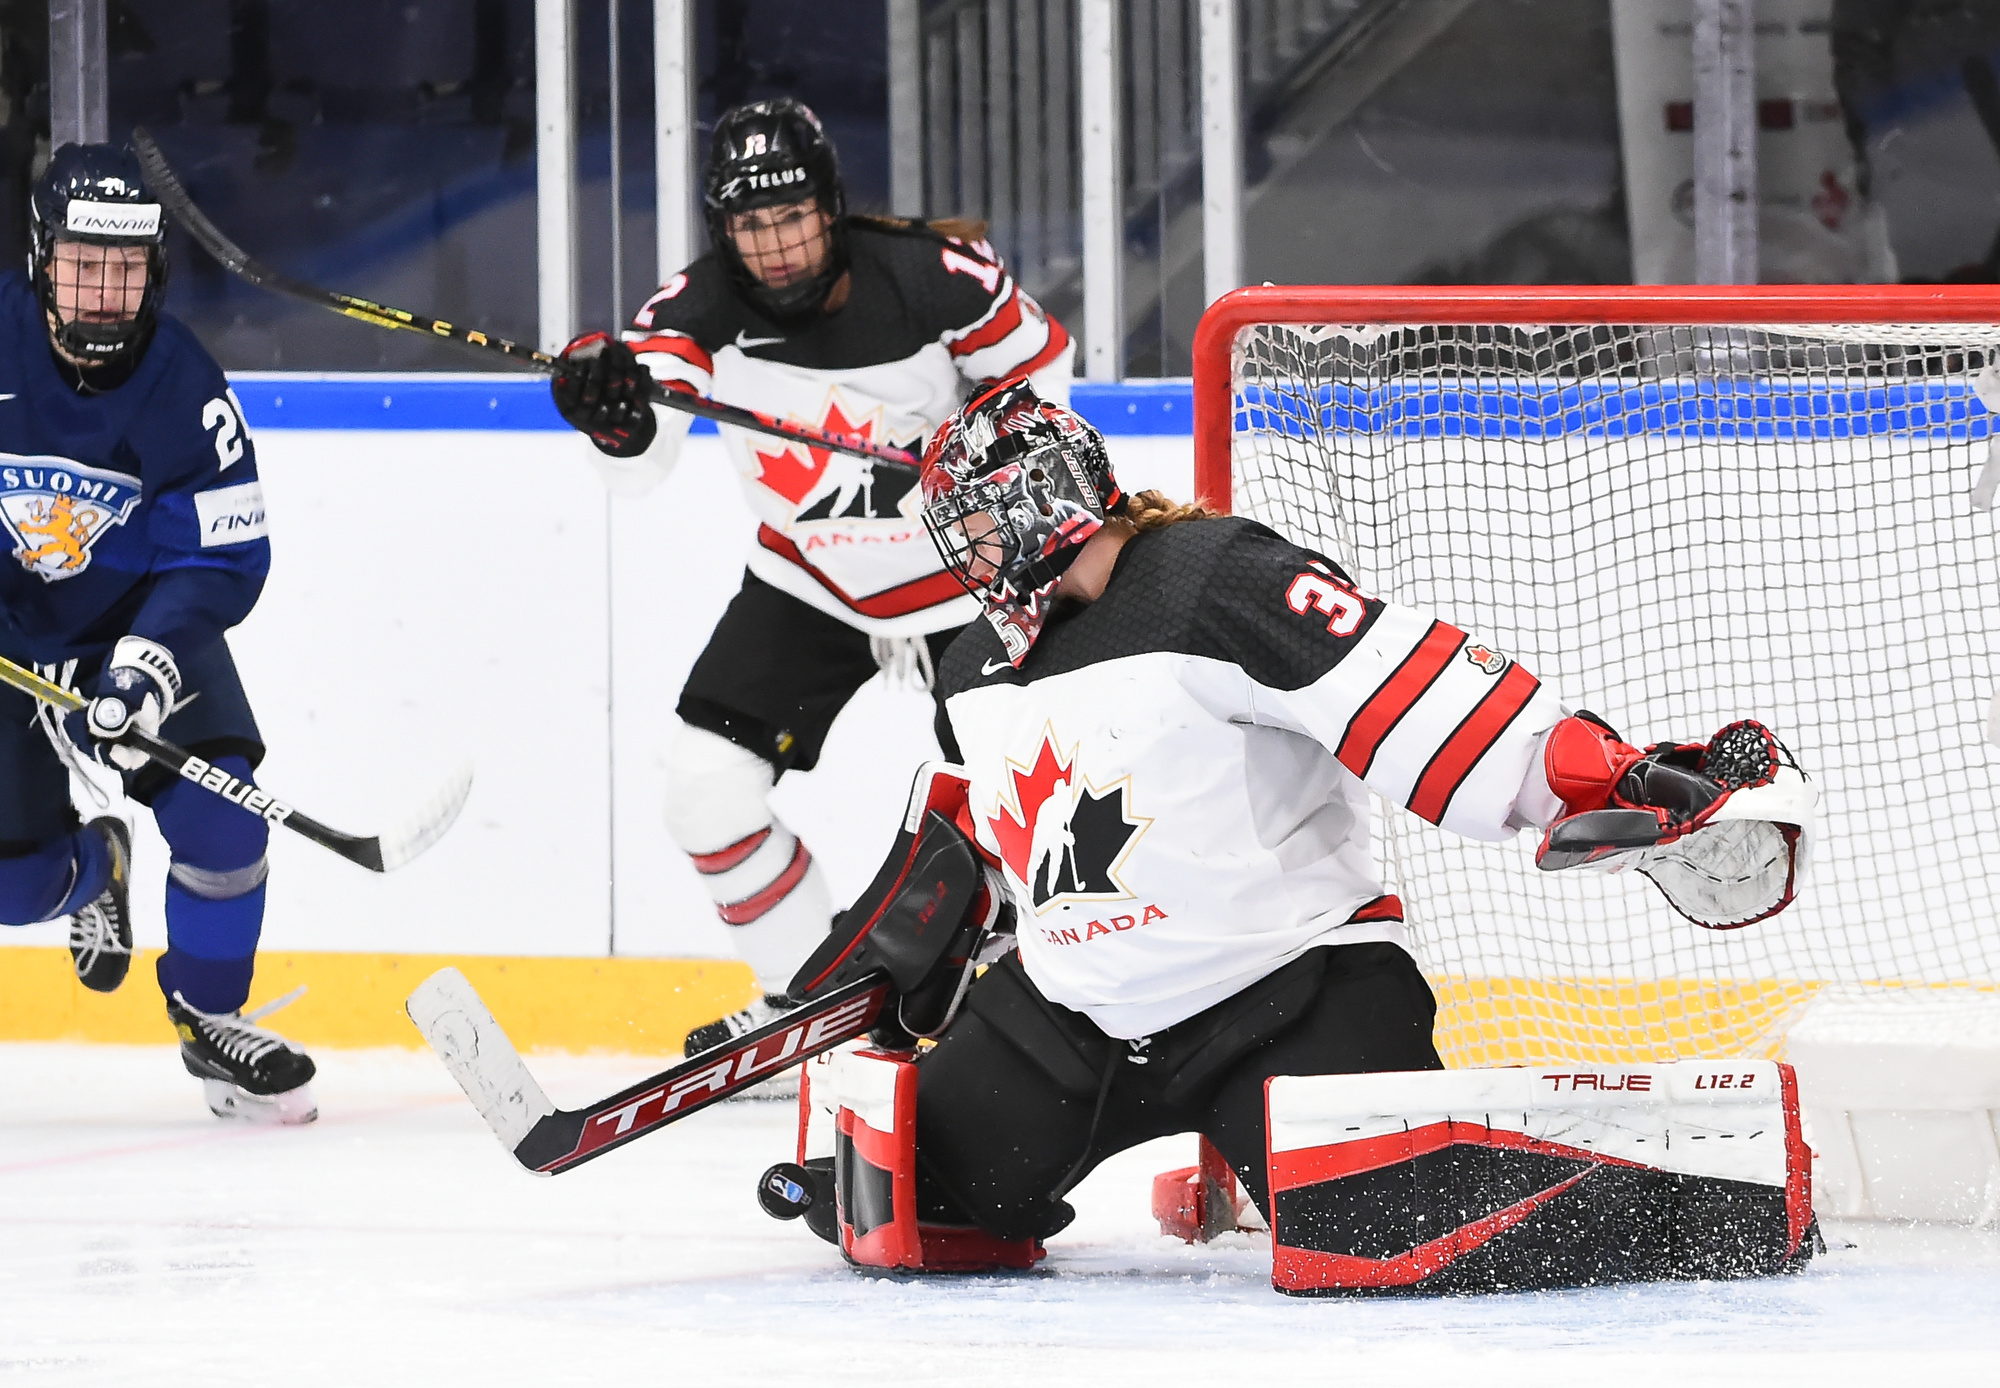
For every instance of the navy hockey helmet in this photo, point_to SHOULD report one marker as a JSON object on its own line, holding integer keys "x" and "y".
{"x": 96, "y": 196}
{"x": 1013, "y": 486}
{"x": 768, "y": 154}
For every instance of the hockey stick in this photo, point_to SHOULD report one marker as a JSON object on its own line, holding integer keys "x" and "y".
{"x": 233, "y": 258}
{"x": 548, "y": 1141}
{"x": 378, "y": 853}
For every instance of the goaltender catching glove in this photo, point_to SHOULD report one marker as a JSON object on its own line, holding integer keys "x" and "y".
{"x": 1722, "y": 828}
{"x": 138, "y": 687}
{"x": 601, "y": 390}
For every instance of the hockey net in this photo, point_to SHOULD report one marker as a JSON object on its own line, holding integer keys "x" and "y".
{"x": 1677, "y": 510}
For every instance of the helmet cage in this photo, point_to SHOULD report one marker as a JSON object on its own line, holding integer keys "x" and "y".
{"x": 769, "y": 154}
{"x": 1013, "y": 488}
{"x": 1030, "y": 531}
{"x": 92, "y": 195}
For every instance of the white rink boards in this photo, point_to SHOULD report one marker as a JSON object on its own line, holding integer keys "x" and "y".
{"x": 437, "y": 595}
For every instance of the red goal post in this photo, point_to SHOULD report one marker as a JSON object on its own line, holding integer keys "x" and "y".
{"x": 1678, "y": 506}
{"x": 1215, "y": 335}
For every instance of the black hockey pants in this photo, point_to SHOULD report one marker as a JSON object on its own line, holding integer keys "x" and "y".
{"x": 1022, "y": 1097}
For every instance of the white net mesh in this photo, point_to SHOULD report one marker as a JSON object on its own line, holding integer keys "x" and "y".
{"x": 1674, "y": 527}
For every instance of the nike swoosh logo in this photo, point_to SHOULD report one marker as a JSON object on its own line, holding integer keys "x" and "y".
{"x": 6, "y": 397}
{"x": 746, "y": 343}
{"x": 990, "y": 666}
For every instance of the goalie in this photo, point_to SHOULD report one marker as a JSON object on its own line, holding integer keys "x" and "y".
{"x": 1168, "y": 726}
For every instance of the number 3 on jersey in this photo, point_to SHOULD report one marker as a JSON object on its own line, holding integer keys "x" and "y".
{"x": 1322, "y": 593}
{"x": 224, "y": 414}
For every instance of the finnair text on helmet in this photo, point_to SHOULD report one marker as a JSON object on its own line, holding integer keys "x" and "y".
{"x": 113, "y": 218}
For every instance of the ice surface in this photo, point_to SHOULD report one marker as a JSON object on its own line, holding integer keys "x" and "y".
{"x": 143, "y": 1242}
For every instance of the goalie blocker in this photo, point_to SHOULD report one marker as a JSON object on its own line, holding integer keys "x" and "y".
{"x": 921, "y": 921}
{"x": 1492, "y": 1180}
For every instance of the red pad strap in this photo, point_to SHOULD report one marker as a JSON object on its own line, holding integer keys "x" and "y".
{"x": 1584, "y": 761}
{"x": 892, "y": 1155}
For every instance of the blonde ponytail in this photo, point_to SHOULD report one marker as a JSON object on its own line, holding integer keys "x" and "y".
{"x": 1156, "y": 511}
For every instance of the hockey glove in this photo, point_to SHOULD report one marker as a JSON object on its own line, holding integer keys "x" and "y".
{"x": 601, "y": 390}
{"x": 1722, "y": 828}
{"x": 137, "y": 688}
{"x": 922, "y": 920}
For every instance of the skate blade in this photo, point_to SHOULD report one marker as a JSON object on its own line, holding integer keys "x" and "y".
{"x": 293, "y": 1107}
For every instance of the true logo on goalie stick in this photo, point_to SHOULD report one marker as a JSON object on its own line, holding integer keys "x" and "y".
{"x": 1061, "y": 836}
{"x": 1491, "y": 661}
{"x": 57, "y": 510}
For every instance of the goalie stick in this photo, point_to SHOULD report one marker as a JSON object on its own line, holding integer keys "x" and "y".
{"x": 233, "y": 258}
{"x": 377, "y": 853}
{"x": 548, "y": 1141}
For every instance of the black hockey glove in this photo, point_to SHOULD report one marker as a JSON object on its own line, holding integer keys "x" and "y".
{"x": 601, "y": 390}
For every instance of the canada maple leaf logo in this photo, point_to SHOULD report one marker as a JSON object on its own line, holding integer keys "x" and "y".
{"x": 795, "y": 477}
{"x": 1061, "y": 835}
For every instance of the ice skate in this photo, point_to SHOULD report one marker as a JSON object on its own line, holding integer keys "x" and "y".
{"x": 246, "y": 1071}
{"x": 100, "y": 933}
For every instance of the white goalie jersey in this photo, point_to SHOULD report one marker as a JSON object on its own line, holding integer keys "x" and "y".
{"x": 926, "y": 318}
{"x": 1176, "y": 780}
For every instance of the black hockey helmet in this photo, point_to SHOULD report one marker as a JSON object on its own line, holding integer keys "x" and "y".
{"x": 96, "y": 195}
{"x": 766, "y": 154}
{"x": 1013, "y": 486}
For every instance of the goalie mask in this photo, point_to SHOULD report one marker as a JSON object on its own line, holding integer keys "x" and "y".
{"x": 1013, "y": 487}
{"x": 97, "y": 253}
{"x": 774, "y": 154}
{"x": 1724, "y": 828}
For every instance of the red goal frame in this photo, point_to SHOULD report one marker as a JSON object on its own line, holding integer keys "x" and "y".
{"x": 1635, "y": 304}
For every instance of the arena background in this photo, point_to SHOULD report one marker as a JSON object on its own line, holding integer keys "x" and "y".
{"x": 450, "y": 580}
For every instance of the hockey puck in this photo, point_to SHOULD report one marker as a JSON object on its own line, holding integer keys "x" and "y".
{"x": 785, "y": 1191}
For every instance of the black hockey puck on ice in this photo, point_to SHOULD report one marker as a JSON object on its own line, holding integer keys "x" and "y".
{"x": 785, "y": 1191}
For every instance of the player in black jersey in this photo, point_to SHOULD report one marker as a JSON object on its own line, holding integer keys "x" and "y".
{"x": 858, "y": 324}
{"x": 1170, "y": 729}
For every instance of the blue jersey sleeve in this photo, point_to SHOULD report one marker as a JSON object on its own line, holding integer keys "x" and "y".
{"x": 206, "y": 518}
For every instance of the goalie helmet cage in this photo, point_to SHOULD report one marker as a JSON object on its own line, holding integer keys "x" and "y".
{"x": 1678, "y": 507}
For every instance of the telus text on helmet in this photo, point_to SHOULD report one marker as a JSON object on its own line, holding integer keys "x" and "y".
{"x": 751, "y": 182}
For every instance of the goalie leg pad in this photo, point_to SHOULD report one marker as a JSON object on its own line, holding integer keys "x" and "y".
{"x": 1489, "y": 1180}
{"x": 873, "y": 1099}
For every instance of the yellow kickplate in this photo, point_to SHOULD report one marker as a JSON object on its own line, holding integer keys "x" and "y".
{"x": 632, "y": 1006}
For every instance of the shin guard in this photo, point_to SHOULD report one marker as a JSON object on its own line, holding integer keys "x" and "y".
{"x": 1484, "y": 1180}
{"x": 871, "y": 1099}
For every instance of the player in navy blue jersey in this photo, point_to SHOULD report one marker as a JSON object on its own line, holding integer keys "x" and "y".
{"x": 129, "y": 493}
